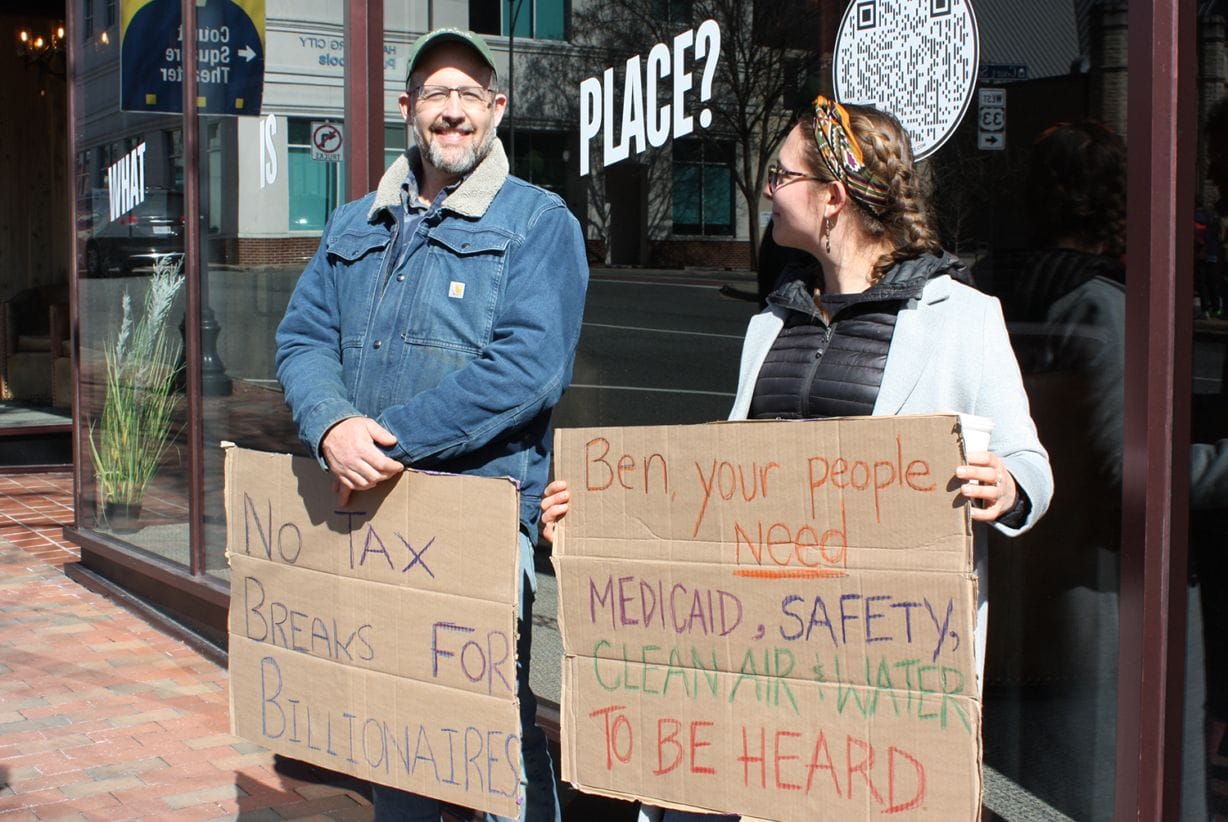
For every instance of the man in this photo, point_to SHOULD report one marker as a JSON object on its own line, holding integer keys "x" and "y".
{"x": 436, "y": 326}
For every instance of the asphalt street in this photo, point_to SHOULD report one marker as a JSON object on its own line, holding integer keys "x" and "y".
{"x": 657, "y": 348}
{"x": 662, "y": 348}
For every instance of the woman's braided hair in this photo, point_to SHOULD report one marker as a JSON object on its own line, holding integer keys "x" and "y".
{"x": 904, "y": 217}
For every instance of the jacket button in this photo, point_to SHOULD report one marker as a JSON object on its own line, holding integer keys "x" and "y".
{"x": 464, "y": 245}
{"x": 376, "y": 344}
{"x": 400, "y": 278}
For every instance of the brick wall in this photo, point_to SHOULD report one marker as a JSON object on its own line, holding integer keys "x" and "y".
{"x": 1108, "y": 58}
{"x": 1212, "y": 88}
{"x": 251, "y": 251}
{"x": 699, "y": 254}
{"x": 595, "y": 250}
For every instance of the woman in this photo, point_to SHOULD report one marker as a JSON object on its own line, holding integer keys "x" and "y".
{"x": 885, "y": 327}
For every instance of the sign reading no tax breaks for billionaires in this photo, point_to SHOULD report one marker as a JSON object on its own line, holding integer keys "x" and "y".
{"x": 917, "y": 59}
{"x": 771, "y": 618}
{"x": 230, "y": 52}
{"x": 378, "y": 640}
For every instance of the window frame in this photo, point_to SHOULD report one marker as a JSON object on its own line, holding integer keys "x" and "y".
{"x": 533, "y": 29}
{"x": 704, "y": 148}
{"x": 335, "y": 182}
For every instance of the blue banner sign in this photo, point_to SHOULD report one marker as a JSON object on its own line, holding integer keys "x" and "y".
{"x": 230, "y": 51}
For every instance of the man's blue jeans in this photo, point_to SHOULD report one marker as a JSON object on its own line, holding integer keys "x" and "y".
{"x": 539, "y": 794}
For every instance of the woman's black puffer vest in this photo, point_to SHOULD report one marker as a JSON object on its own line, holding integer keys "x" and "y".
{"x": 820, "y": 369}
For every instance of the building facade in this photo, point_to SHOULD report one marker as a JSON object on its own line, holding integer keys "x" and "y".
{"x": 1098, "y": 629}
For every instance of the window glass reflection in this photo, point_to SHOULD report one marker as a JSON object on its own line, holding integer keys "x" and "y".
{"x": 674, "y": 234}
{"x": 1209, "y": 421}
{"x": 269, "y": 186}
{"x": 131, "y": 235}
{"x": 315, "y": 185}
{"x": 1050, "y": 709}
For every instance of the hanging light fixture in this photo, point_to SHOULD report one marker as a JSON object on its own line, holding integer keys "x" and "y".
{"x": 44, "y": 51}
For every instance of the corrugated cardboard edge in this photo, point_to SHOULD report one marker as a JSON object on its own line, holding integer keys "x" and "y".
{"x": 228, "y": 449}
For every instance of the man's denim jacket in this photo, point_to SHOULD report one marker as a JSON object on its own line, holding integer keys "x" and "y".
{"x": 463, "y": 348}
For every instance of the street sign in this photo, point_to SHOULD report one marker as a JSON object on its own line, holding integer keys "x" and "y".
{"x": 230, "y": 52}
{"x": 327, "y": 140}
{"x": 1002, "y": 72}
{"x": 991, "y": 119}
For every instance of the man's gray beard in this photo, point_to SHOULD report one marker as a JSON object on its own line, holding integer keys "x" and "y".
{"x": 468, "y": 159}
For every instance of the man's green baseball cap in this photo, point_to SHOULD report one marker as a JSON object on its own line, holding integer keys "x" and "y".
{"x": 433, "y": 38}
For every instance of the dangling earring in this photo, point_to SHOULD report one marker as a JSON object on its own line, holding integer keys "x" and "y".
{"x": 827, "y": 234}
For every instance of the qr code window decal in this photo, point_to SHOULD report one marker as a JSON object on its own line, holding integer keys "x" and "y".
{"x": 867, "y": 15}
{"x": 915, "y": 59}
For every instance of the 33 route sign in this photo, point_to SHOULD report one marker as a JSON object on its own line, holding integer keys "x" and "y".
{"x": 991, "y": 126}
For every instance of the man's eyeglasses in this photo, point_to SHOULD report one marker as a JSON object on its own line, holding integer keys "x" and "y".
{"x": 778, "y": 176}
{"x": 471, "y": 97}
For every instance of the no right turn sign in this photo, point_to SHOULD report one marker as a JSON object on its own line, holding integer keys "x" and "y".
{"x": 326, "y": 142}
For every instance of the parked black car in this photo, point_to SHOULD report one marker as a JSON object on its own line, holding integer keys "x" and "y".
{"x": 134, "y": 241}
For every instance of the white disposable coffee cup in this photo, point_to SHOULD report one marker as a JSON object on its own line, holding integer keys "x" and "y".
{"x": 976, "y": 432}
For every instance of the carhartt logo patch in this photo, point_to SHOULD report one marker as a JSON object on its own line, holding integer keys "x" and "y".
{"x": 456, "y": 290}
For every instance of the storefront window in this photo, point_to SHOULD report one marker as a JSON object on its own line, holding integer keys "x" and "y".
{"x": 1207, "y": 653}
{"x": 549, "y": 19}
{"x": 130, "y": 298}
{"x": 277, "y": 186}
{"x": 662, "y": 353}
{"x": 394, "y": 142}
{"x": 174, "y": 150}
{"x": 1024, "y": 181}
{"x": 131, "y": 304}
{"x": 540, "y": 159}
{"x": 540, "y": 19}
{"x": 675, "y": 11}
{"x": 703, "y": 187}
{"x": 216, "y": 186}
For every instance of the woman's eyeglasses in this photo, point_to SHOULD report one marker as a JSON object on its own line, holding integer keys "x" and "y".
{"x": 778, "y": 176}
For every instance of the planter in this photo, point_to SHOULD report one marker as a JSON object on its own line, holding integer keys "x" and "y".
{"x": 127, "y": 440}
{"x": 122, "y": 517}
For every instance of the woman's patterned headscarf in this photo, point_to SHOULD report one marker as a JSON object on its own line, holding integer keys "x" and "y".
{"x": 842, "y": 155}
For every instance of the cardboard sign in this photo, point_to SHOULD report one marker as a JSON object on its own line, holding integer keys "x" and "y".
{"x": 377, "y": 640}
{"x": 771, "y": 618}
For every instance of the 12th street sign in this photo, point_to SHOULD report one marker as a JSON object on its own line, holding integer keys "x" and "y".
{"x": 229, "y": 56}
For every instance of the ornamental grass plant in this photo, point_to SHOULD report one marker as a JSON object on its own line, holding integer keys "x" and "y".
{"x": 127, "y": 441}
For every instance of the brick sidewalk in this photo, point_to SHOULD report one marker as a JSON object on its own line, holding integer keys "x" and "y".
{"x": 103, "y": 717}
{"x": 33, "y": 507}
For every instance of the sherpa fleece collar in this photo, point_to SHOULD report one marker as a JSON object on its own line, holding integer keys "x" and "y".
{"x": 470, "y": 199}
